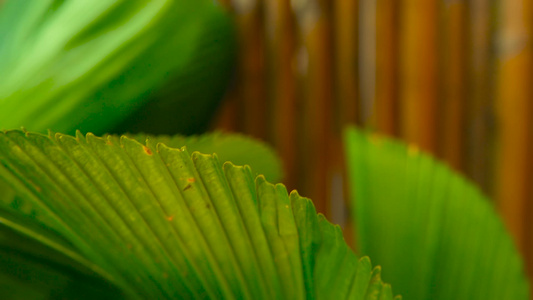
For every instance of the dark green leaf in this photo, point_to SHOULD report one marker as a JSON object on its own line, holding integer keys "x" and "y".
{"x": 88, "y": 65}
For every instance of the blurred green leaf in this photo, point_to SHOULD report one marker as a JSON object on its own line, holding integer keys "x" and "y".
{"x": 89, "y": 65}
{"x": 434, "y": 233}
{"x": 159, "y": 223}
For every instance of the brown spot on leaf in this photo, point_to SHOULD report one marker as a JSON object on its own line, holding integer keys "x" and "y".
{"x": 147, "y": 150}
{"x": 188, "y": 186}
{"x": 191, "y": 179}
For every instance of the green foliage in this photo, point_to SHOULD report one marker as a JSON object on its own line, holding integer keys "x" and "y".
{"x": 434, "y": 233}
{"x": 94, "y": 65}
{"x": 236, "y": 148}
{"x": 139, "y": 218}
{"x": 150, "y": 221}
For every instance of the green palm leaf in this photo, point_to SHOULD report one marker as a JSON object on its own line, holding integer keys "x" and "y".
{"x": 157, "y": 222}
{"x": 434, "y": 233}
{"x": 88, "y": 65}
{"x": 234, "y": 147}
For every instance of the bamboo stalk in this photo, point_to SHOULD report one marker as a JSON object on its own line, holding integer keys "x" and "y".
{"x": 386, "y": 102}
{"x": 480, "y": 110}
{"x": 367, "y": 60}
{"x": 418, "y": 72}
{"x": 452, "y": 101}
{"x": 316, "y": 71}
{"x": 514, "y": 108}
{"x": 345, "y": 24}
{"x": 282, "y": 84}
{"x": 345, "y": 18}
{"x": 251, "y": 70}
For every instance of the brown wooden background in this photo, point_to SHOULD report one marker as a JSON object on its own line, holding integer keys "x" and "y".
{"x": 454, "y": 77}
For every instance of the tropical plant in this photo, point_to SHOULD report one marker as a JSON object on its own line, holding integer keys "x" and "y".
{"x": 101, "y": 66}
{"x": 413, "y": 213}
{"x": 140, "y": 216}
{"x": 111, "y": 217}
{"x": 88, "y": 217}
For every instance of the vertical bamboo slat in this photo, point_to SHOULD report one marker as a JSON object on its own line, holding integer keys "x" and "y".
{"x": 346, "y": 91}
{"x": 479, "y": 108}
{"x": 452, "y": 89}
{"x": 514, "y": 109}
{"x": 418, "y": 65}
{"x": 367, "y": 60}
{"x": 345, "y": 24}
{"x": 281, "y": 84}
{"x": 317, "y": 95}
{"x": 386, "y": 103}
{"x": 251, "y": 75}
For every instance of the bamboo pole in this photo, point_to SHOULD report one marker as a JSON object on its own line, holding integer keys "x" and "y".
{"x": 514, "y": 109}
{"x": 345, "y": 17}
{"x": 367, "y": 60}
{"x": 317, "y": 94}
{"x": 251, "y": 70}
{"x": 386, "y": 103}
{"x": 282, "y": 84}
{"x": 452, "y": 89}
{"x": 480, "y": 110}
{"x": 418, "y": 72}
{"x": 345, "y": 24}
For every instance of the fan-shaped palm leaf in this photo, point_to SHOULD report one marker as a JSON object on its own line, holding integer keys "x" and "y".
{"x": 157, "y": 222}
{"x": 433, "y": 232}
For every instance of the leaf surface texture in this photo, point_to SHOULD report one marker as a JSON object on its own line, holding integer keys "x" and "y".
{"x": 434, "y": 233}
{"x": 157, "y": 222}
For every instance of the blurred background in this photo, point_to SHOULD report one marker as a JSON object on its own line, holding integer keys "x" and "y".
{"x": 452, "y": 77}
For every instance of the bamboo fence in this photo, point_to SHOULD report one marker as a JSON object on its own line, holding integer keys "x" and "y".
{"x": 453, "y": 77}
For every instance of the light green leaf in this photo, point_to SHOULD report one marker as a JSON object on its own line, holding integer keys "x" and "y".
{"x": 88, "y": 65}
{"x": 434, "y": 233}
{"x": 159, "y": 223}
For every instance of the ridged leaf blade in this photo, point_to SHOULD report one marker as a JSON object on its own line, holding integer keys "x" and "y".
{"x": 234, "y": 147}
{"x": 434, "y": 233}
{"x": 158, "y": 222}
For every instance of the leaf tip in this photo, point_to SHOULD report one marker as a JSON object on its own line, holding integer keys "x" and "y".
{"x": 79, "y": 135}
{"x": 260, "y": 180}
